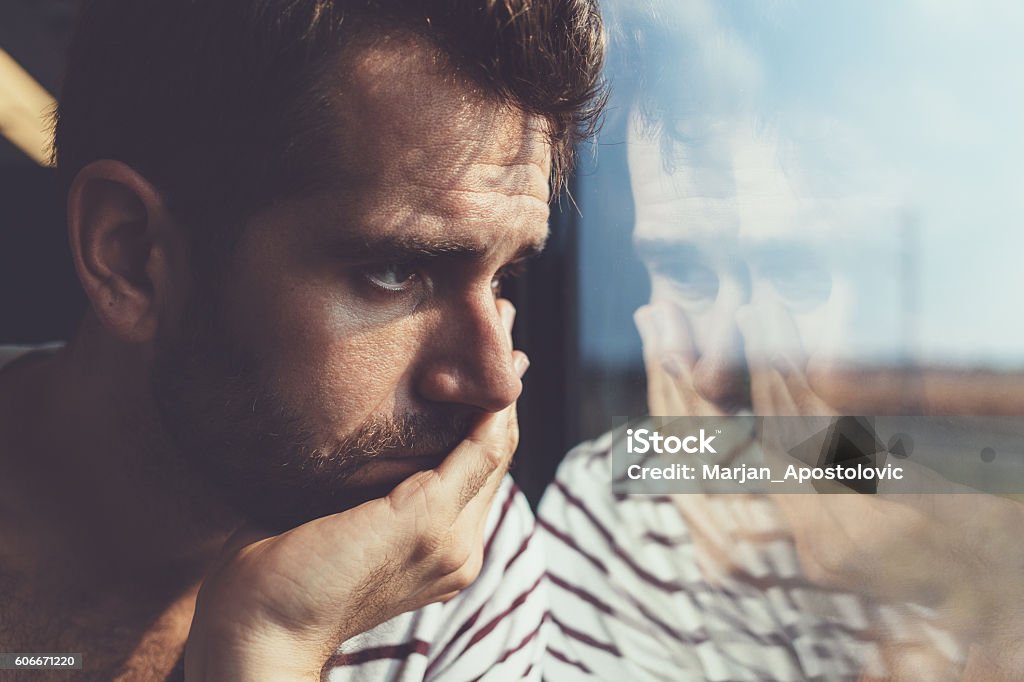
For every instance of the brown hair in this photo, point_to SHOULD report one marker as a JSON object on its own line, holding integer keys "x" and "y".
{"x": 207, "y": 98}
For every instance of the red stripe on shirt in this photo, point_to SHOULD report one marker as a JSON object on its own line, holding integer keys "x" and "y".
{"x": 555, "y": 653}
{"x": 581, "y": 636}
{"x": 508, "y": 652}
{"x": 571, "y": 544}
{"x": 522, "y": 548}
{"x": 493, "y": 623}
{"x": 463, "y": 629}
{"x": 394, "y": 651}
{"x": 581, "y": 593}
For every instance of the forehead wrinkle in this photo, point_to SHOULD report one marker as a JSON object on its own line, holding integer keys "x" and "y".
{"x": 480, "y": 231}
{"x": 484, "y": 186}
{"x": 403, "y": 224}
{"x": 506, "y": 158}
{"x": 524, "y": 175}
{"x": 432, "y": 155}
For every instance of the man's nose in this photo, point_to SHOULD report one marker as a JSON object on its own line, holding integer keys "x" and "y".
{"x": 470, "y": 357}
{"x": 721, "y": 375}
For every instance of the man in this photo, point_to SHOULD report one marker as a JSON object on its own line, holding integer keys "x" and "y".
{"x": 278, "y": 441}
{"x": 768, "y": 237}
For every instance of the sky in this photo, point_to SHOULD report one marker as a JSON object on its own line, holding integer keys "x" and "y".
{"x": 894, "y": 114}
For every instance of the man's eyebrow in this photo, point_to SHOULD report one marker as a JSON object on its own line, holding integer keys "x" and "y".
{"x": 405, "y": 248}
{"x": 772, "y": 250}
{"x": 661, "y": 250}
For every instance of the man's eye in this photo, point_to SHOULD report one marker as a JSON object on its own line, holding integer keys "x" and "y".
{"x": 393, "y": 277}
{"x": 695, "y": 281}
{"x": 803, "y": 287}
{"x": 509, "y": 272}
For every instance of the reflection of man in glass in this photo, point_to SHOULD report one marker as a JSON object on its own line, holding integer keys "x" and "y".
{"x": 771, "y": 242}
{"x": 721, "y": 227}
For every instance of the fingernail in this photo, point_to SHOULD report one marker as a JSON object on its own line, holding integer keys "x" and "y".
{"x": 657, "y": 329}
{"x": 642, "y": 320}
{"x": 508, "y": 316}
{"x": 521, "y": 364}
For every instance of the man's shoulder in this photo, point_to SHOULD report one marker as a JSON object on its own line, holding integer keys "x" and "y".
{"x": 16, "y": 386}
{"x": 509, "y": 523}
{"x": 584, "y": 480}
{"x": 582, "y": 499}
{"x": 10, "y": 353}
{"x": 585, "y": 470}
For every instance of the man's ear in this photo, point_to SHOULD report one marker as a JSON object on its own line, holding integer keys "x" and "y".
{"x": 118, "y": 227}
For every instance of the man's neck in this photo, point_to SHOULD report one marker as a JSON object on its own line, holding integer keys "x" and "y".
{"x": 95, "y": 480}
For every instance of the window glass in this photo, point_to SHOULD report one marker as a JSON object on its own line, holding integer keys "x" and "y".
{"x": 798, "y": 246}
{"x": 852, "y": 170}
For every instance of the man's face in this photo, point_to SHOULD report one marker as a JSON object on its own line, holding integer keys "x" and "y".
{"x": 356, "y": 335}
{"x": 725, "y": 227}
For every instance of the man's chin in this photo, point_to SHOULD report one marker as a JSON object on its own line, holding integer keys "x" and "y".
{"x": 374, "y": 479}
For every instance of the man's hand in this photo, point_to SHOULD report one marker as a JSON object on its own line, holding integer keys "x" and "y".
{"x": 276, "y": 608}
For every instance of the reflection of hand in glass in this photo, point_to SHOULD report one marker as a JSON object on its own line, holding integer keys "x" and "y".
{"x": 669, "y": 357}
{"x": 955, "y": 554}
{"x": 775, "y": 356}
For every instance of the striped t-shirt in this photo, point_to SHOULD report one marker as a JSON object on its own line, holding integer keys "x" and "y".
{"x": 631, "y": 597}
{"x": 492, "y": 631}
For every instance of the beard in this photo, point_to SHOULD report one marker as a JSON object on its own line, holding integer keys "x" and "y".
{"x": 260, "y": 453}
